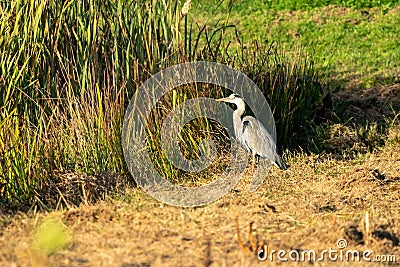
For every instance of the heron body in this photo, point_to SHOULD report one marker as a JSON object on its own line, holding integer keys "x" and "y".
{"x": 252, "y": 135}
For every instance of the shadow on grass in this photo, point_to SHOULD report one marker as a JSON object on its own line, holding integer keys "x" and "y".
{"x": 354, "y": 121}
{"x": 66, "y": 190}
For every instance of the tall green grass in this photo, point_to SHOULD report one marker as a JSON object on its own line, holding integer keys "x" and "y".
{"x": 69, "y": 68}
{"x": 291, "y": 86}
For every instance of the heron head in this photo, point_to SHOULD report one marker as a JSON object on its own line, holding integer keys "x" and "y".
{"x": 233, "y": 98}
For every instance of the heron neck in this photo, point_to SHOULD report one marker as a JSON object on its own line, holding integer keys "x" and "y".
{"x": 237, "y": 120}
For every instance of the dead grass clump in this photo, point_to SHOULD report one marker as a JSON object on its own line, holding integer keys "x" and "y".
{"x": 394, "y": 131}
{"x": 341, "y": 137}
{"x": 374, "y": 104}
{"x": 346, "y": 141}
{"x": 69, "y": 189}
{"x": 255, "y": 246}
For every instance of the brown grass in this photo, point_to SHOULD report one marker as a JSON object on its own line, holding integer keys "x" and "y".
{"x": 318, "y": 201}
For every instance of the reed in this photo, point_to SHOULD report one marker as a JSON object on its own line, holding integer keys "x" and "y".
{"x": 69, "y": 69}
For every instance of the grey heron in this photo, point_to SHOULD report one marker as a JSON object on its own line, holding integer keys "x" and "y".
{"x": 252, "y": 134}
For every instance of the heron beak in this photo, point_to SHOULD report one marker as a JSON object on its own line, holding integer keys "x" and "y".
{"x": 223, "y": 99}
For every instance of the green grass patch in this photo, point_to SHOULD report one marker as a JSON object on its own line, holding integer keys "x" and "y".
{"x": 351, "y": 42}
{"x": 249, "y": 6}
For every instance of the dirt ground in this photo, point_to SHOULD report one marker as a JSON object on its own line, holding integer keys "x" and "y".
{"x": 321, "y": 203}
{"x": 310, "y": 207}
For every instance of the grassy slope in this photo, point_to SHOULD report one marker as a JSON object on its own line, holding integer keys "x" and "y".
{"x": 354, "y": 45}
{"x": 309, "y": 207}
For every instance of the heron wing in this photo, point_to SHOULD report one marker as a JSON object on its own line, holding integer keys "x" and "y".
{"x": 258, "y": 139}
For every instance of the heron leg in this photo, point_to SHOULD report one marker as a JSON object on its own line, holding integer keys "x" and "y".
{"x": 254, "y": 161}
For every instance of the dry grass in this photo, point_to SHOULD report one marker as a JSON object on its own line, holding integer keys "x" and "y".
{"x": 318, "y": 201}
